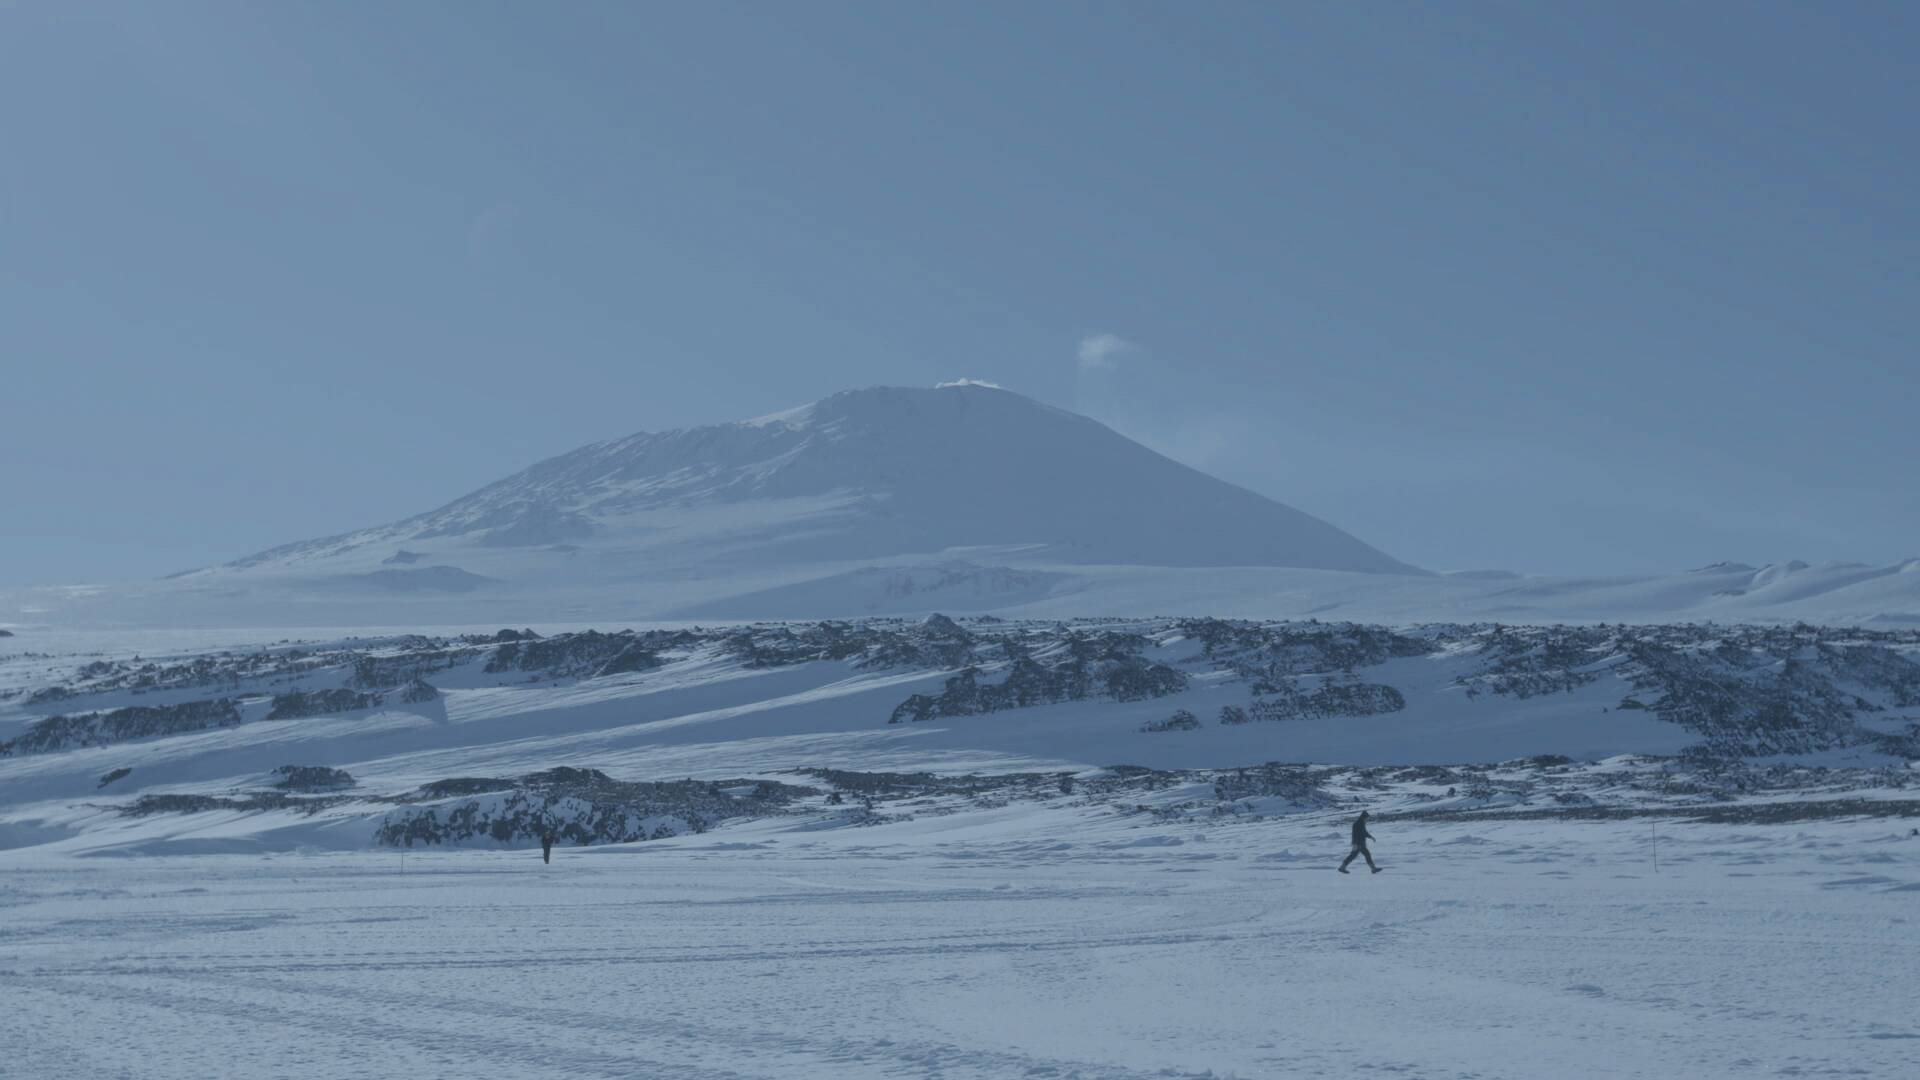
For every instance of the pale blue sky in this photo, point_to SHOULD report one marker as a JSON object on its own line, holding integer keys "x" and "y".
{"x": 1548, "y": 287}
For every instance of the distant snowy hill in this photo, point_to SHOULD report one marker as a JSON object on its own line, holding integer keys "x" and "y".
{"x": 960, "y": 498}
{"x": 864, "y": 474}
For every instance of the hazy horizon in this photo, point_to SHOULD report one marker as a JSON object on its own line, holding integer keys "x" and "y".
{"x": 1611, "y": 291}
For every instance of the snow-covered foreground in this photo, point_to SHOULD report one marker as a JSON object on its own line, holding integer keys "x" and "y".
{"x": 1021, "y": 940}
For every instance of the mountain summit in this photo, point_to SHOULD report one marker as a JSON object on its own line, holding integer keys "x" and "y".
{"x": 862, "y": 475}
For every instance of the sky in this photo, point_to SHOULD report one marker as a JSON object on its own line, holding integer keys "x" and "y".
{"x": 1570, "y": 288}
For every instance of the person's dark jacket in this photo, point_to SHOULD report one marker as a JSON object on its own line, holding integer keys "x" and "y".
{"x": 1360, "y": 833}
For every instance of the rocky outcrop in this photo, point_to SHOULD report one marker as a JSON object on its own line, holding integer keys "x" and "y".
{"x": 1333, "y": 699}
{"x": 304, "y": 703}
{"x": 1294, "y": 783}
{"x": 582, "y": 806}
{"x": 311, "y": 778}
{"x": 1104, "y": 665}
{"x": 419, "y": 692}
{"x": 1181, "y": 720}
{"x": 582, "y": 655}
{"x": 122, "y": 725}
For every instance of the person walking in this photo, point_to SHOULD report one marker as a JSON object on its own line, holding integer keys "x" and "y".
{"x": 1360, "y": 838}
{"x": 546, "y": 846}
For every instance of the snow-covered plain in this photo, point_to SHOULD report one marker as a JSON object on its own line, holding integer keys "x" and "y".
{"x": 1164, "y": 930}
{"x": 1101, "y": 847}
{"x": 1031, "y": 940}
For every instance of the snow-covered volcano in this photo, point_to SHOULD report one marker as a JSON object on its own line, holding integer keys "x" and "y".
{"x": 861, "y": 475}
{"x": 960, "y": 498}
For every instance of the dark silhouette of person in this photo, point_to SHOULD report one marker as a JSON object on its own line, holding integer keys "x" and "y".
{"x": 546, "y": 846}
{"x": 1360, "y": 838}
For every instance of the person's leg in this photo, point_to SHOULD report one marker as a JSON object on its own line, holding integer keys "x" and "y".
{"x": 1350, "y": 857}
{"x": 1369, "y": 857}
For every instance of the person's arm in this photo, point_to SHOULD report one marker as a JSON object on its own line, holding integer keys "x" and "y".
{"x": 1370, "y": 836}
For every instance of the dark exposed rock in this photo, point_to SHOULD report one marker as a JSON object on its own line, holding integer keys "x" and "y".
{"x": 121, "y": 725}
{"x": 1277, "y": 651}
{"x": 195, "y": 804}
{"x": 304, "y": 703}
{"x": 939, "y": 626}
{"x": 634, "y": 657}
{"x": 1334, "y": 699}
{"x": 464, "y": 785}
{"x": 578, "y": 655}
{"x": 311, "y": 778}
{"x": 419, "y": 692}
{"x": 387, "y": 672}
{"x": 222, "y": 669}
{"x": 1181, "y": 720}
{"x": 1100, "y": 665}
{"x": 583, "y": 806}
{"x": 1295, "y": 783}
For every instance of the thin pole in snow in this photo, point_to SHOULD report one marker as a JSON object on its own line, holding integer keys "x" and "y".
{"x": 1655, "y": 825}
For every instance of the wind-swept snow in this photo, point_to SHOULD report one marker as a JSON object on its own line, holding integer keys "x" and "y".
{"x": 986, "y": 944}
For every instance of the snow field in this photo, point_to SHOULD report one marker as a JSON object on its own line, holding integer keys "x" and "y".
{"x": 1019, "y": 941}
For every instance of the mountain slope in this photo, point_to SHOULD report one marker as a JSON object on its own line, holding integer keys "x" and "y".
{"x": 889, "y": 501}
{"x": 862, "y": 475}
